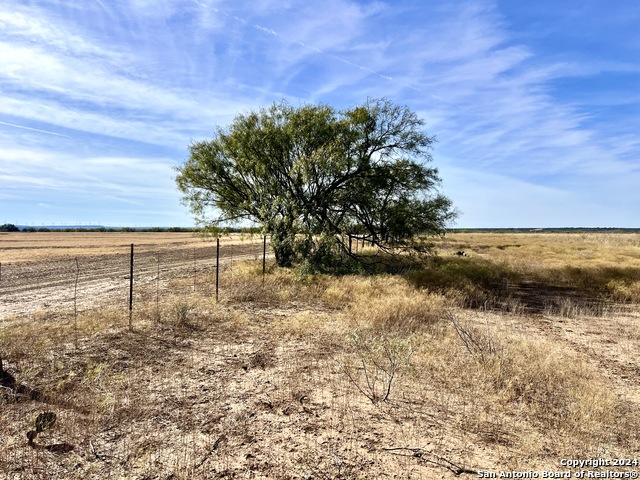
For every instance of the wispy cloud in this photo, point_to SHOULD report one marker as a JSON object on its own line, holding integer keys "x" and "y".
{"x": 52, "y": 173}
{"x": 39, "y": 130}
{"x": 96, "y": 88}
{"x": 91, "y": 90}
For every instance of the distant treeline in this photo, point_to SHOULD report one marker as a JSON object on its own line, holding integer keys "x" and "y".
{"x": 13, "y": 228}
{"x": 108, "y": 229}
{"x": 547, "y": 230}
{"x": 7, "y": 227}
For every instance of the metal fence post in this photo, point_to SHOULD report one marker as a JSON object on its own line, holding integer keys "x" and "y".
{"x": 264, "y": 257}
{"x": 217, "y": 265}
{"x": 131, "y": 290}
{"x": 158, "y": 290}
{"x": 75, "y": 305}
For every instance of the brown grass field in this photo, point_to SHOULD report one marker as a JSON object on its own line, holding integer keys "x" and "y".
{"x": 519, "y": 355}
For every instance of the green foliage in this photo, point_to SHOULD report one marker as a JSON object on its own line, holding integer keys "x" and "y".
{"x": 311, "y": 175}
{"x": 9, "y": 227}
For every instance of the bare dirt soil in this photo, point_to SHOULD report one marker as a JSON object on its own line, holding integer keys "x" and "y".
{"x": 282, "y": 379}
{"x": 16, "y": 247}
{"x": 245, "y": 391}
{"x": 229, "y": 394}
{"x": 102, "y": 267}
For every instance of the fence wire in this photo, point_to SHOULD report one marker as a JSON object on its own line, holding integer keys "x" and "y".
{"x": 81, "y": 283}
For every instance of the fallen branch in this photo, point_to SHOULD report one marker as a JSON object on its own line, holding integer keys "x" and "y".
{"x": 210, "y": 450}
{"x": 440, "y": 461}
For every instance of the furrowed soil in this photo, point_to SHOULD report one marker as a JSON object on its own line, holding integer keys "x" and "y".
{"x": 38, "y": 271}
{"x": 508, "y": 359}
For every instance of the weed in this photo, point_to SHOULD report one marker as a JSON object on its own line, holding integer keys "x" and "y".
{"x": 181, "y": 312}
{"x": 375, "y": 362}
{"x": 43, "y": 422}
{"x": 627, "y": 291}
{"x": 475, "y": 341}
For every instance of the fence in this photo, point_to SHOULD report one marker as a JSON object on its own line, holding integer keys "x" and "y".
{"x": 137, "y": 276}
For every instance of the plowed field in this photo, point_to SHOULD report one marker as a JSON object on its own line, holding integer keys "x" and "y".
{"x": 39, "y": 270}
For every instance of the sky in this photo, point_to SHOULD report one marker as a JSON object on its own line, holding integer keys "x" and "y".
{"x": 535, "y": 105}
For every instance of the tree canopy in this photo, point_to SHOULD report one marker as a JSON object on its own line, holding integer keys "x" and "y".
{"x": 310, "y": 176}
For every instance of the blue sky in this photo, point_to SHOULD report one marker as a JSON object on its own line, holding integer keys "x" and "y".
{"x": 535, "y": 105}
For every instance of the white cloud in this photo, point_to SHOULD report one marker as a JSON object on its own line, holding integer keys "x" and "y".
{"x": 165, "y": 73}
{"x": 39, "y": 130}
{"x": 96, "y": 89}
{"x": 98, "y": 177}
{"x": 77, "y": 80}
{"x": 31, "y": 25}
{"x": 56, "y": 114}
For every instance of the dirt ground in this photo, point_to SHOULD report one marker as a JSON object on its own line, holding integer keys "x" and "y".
{"x": 269, "y": 382}
{"x": 39, "y": 270}
{"x": 30, "y": 247}
{"x": 260, "y": 393}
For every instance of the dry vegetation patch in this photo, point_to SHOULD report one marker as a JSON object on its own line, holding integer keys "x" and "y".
{"x": 385, "y": 376}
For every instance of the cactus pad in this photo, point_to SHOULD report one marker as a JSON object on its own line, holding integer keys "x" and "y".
{"x": 45, "y": 420}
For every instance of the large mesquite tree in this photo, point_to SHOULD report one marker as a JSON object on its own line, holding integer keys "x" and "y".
{"x": 310, "y": 175}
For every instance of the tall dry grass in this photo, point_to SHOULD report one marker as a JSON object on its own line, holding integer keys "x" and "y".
{"x": 504, "y": 378}
{"x": 598, "y": 264}
{"x": 366, "y": 363}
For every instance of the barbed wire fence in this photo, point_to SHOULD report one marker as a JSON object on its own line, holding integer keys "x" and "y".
{"x": 138, "y": 278}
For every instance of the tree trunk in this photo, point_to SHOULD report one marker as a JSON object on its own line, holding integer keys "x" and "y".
{"x": 284, "y": 255}
{"x": 282, "y": 242}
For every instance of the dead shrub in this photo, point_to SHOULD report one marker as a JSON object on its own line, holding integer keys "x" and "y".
{"x": 374, "y": 362}
{"x": 478, "y": 343}
{"x": 624, "y": 291}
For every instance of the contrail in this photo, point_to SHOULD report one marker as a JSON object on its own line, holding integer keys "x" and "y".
{"x": 34, "y": 129}
{"x": 311, "y": 47}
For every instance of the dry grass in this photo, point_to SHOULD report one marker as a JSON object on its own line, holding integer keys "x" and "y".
{"x": 391, "y": 304}
{"x": 604, "y": 264}
{"x": 430, "y": 374}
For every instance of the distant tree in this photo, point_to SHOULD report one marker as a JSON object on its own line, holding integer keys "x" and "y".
{"x": 9, "y": 227}
{"x": 311, "y": 175}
